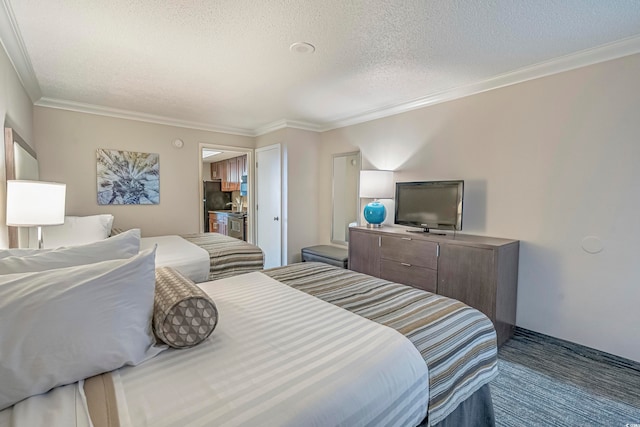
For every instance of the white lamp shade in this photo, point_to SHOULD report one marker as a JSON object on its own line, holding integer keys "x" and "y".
{"x": 33, "y": 203}
{"x": 376, "y": 184}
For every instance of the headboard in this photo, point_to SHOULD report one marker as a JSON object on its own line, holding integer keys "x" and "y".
{"x": 21, "y": 162}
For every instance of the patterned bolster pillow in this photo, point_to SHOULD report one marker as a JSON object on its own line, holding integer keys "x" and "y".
{"x": 183, "y": 315}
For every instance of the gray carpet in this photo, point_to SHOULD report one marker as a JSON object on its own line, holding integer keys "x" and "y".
{"x": 545, "y": 381}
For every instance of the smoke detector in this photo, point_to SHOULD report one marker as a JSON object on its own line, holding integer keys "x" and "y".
{"x": 302, "y": 48}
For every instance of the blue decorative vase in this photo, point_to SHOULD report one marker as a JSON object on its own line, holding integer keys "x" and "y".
{"x": 375, "y": 213}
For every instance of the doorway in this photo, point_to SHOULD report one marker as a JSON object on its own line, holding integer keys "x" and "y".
{"x": 226, "y": 179}
{"x": 269, "y": 193}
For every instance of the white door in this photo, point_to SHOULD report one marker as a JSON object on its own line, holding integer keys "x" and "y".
{"x": 269, "y": 204}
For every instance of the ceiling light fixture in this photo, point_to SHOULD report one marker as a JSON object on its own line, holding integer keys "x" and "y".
{"x": 208, "y": 153}
{"x": 302, "y": 48}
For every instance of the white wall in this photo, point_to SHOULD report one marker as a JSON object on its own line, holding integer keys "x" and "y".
{"x": 549, "y": 162}
{"x": 206, "y": 171}
{"x": 16, "y": 112}
{"x": 67, "y": 143}
{"x": 300, "y": 152}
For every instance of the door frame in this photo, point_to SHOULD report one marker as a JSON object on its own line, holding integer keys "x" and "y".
{"x": 283, "y": 199}
{"x": 251, "y": 238}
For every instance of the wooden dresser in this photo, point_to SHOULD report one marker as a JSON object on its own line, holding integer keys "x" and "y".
{"x": 479, "y": 271}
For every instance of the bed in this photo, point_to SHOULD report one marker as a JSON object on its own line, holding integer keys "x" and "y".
{"x": 306, "y": 344}
{"x": 200, "y": 257}
{"x": 206, "y": 256}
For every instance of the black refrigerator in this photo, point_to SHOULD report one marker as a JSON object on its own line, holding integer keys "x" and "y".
{"x": 214, "y": 200}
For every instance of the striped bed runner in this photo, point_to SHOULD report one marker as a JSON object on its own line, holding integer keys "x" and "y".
{"x": 457, "y": 342}
{"x": 228, "y": 256}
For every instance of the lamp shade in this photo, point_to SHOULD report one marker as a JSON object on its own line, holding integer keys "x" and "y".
{"x": 376, "y": 184}
{"x": 34, "y": 203}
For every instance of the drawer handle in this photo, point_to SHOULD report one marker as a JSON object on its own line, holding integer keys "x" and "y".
{"x": 405, "y": 264}
{"x": 406, "y": 238}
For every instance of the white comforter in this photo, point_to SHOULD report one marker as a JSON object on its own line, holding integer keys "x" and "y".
{"x": 278, "y": 357}
{"x": 64, "y": 406}
{"x": 174, "y": 251}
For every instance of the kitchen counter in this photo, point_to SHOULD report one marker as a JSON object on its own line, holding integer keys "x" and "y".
{"x": 230, "y": 212}
{"x": 228, "y": 222}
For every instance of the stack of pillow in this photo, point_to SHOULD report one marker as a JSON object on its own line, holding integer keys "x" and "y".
{"x": 76, "y": 311}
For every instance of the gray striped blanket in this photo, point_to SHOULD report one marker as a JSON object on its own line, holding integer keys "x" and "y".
{"x": 228, "y": 256}
{"x": 457, "y": 342}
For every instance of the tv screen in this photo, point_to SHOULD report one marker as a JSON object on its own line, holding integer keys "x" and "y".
{"x": 430, "y": 204}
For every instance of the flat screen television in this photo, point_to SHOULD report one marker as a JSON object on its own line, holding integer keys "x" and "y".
{"x": 430, "y": 204}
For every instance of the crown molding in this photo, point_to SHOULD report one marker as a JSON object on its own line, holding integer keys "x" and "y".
{"x": 14, "y": 46}
{"x": 80, "y": 107}
{"x": 281, "y": 124}
{"x": 602, "y": 53}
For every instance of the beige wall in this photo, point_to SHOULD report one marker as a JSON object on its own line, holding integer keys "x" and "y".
{"x": 549, "y": 162}
{"x": 67, "y": 153}
{"x": 16, "y": 112}
{"x": 206, "y": 171}
{"x": 300, "y": 152}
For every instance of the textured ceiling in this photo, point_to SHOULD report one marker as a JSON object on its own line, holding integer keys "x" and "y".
{"x": 227, "y": 63}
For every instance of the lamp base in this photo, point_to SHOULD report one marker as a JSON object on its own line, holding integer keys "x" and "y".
{"x": 374, "y": 213}
{"x": 40, "y": 239}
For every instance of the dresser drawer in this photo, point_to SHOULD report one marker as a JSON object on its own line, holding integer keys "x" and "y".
{"x": 408, "y": 274}
{"x": 410, "y": 251}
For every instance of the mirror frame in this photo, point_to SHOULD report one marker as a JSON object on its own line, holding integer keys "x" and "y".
{"x": 11, "y": 138}
{"x": 333, "y": 185}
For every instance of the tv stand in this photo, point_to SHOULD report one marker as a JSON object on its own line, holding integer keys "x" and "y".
{"x": 480, "y": 271}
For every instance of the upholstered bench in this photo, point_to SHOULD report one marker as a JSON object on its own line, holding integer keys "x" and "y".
{"x": 328, "y": 254}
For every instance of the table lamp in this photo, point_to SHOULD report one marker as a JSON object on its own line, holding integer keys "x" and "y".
{"x": 375, "y": 184}
{"x": 34, "y": 204}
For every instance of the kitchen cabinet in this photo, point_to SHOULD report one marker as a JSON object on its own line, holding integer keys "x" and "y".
{"x": 242, "y": 166}
{"x": 230, "y": 172}
{"x": 213, "y": 223}
{"x": 482, "y": 272}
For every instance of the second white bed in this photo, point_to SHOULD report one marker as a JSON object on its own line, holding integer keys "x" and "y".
{"x": 174, "y": 251}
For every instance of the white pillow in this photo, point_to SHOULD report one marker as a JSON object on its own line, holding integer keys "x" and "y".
{"x": 124, "y": 245}
{"x": 61, "y": 326}
{"x": 77, "y": 230}
{"x": 21, "y": 252}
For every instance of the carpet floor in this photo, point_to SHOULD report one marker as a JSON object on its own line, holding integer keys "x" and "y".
{"x": 545, "y": 381}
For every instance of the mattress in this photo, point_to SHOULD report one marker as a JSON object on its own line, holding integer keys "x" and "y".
{"x": 228, "y": 256}
{"x": 174, "y": 251}
{"x": 457, "y": 342}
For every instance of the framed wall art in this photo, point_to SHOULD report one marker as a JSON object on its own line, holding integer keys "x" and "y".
{"x": 127, "y": 177}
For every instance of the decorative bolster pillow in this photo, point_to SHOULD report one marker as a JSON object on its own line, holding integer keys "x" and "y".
{"x": 183, "y": 314}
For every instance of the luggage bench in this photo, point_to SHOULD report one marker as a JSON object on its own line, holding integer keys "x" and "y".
{"x": 328, "y": 254}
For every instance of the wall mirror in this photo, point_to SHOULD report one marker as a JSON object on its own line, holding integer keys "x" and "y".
{"x": 20, "y": 162}
{"x": 345, "y": 201}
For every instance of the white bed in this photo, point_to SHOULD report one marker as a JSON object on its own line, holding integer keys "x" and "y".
{"x": 176, "y": 252}
{"x": 294, "y": 361}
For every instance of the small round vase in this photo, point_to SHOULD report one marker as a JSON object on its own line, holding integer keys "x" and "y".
{"x": 375, "y": 213}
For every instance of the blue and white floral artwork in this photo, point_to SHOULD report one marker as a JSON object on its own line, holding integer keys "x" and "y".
{"x": 128, "y": 178}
